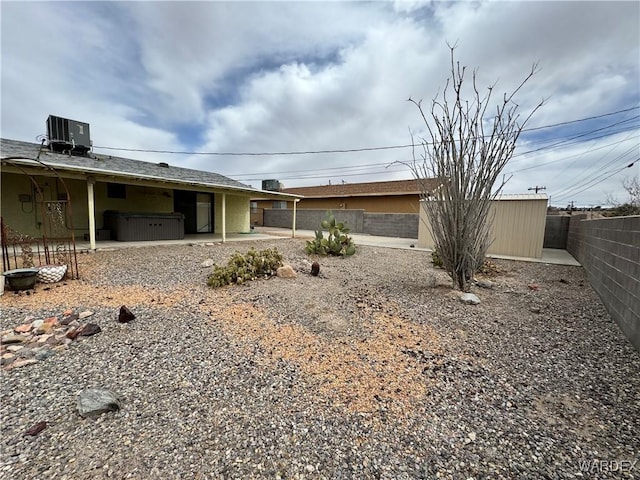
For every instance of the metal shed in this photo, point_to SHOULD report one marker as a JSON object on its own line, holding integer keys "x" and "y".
{"x": 517, "y": 230}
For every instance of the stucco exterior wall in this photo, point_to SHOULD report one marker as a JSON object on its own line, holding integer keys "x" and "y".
{"x": 409, "y": 203}
{"x": 517, "y": 230}
{"x": 372, "y": 204}
{"x": 138, "y": 200}
{"x": 237, "y": 214}
{"x": 26, "y": 217}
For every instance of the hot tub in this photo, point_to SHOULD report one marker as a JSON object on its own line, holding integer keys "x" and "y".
{"x": 133, "y": 227}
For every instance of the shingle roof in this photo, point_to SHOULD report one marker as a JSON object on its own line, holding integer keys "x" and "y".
{"x": 395, "y": 187}
{"x": 111, "y": 165}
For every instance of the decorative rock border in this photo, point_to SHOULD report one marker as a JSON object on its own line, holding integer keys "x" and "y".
{"x": 37, "y": 340}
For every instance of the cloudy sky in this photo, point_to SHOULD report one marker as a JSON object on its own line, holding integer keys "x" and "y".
{"x": 281, "y": 77}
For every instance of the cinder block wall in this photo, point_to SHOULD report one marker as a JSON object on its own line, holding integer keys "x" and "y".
{"x": 310, "y": 219}
{"x": 555, "y": 231}
{"x": 609, "y": 251}
{"x": 404, "y": 225}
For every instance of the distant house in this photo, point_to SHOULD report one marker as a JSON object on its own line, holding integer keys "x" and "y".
{"x": 396, "y": 196}
{"x": 376, "y": 208}
{"x": 108, "y": 197}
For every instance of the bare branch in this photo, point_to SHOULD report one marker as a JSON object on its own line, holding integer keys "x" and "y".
{"x": 467, "y": 160}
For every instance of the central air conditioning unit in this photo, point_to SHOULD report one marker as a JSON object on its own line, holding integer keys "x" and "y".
{"x": 68, "y": 135}
{"x": 272, "y": 185}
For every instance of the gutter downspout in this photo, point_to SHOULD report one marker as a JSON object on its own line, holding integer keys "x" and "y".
{"x": 92, "y": 212}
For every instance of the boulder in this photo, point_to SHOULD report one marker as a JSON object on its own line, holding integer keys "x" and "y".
{"x": 36, "y": 429}
{"x": 89, "y": 329}
{"x": 207, "y": 263}
{"x": 43, "y": 329}
{"x": 37, "y": 323}
{"x": 485, "y": 283}
{"x": 286, "y": 271}
{"x": 469, "y": 299}
{"x": 24, "y": 328}
{"x": 67, "y": 319}
{"x": 125, "y": 315}
{"x": 21, "y": 362}
{"x": 93, "y": 402}
{"x": 8, "y": 339}
{"x": 315, "y": 269}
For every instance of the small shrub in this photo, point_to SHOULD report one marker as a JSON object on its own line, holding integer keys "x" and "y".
{"x": 338, "y": 242}
{"x": 489, "y": 268}
{"x": 436, "y": 259}
{"x": 242, "y": 268}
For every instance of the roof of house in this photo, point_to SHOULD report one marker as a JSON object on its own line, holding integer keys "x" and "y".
{"x": 394, "y": 187}
{"x": 25, "y": 153}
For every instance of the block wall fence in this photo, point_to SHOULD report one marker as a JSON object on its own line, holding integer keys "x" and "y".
{"x": 404, "y": 225}
{"x": 609, "y": 251}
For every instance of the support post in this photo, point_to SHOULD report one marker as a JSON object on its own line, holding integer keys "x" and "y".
{"x": 92, "y": 213}
{"x": 224, "y": 217}
{"x": 293, "y": 227}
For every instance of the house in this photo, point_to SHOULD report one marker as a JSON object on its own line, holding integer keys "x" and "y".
{"x": 388, "y": 208}
{"x": 104, "y": 196}
{"x": 396, "y": 196}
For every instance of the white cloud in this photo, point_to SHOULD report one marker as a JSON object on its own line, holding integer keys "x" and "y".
{"x": 277, "y": 76}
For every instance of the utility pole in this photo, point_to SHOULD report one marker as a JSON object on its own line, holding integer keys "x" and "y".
{"x": 536, "y": 188}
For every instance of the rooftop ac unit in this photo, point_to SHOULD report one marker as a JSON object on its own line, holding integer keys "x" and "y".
{"x": 272, "y": 185}
{"x": 65, "y": 134}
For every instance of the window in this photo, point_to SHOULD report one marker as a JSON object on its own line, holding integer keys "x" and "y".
{"x": 280, "y": 204}
{"x": 116, "y": 190}
{"x": 254, "y": 207}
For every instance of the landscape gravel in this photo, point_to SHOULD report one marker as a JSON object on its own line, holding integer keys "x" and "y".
{"x": 372, "y": 369}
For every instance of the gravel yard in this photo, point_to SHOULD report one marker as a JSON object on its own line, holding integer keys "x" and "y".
{"x": 373, "y": 369}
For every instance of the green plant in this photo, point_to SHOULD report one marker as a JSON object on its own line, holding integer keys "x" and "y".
{"x": 338, "y": 241}
{"x": 436, "y": 259}
{"x": 242, "y": 268}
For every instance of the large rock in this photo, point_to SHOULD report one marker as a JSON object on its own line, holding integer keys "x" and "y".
{"x": 67, "y": 319}
{"x": 286, "y": 271}
{"x": 469, "y": 299}
{"x": 24, "y": 328}
{"x": 482, "y": 283}
{"x": 89, "y": 329}
{"x": 125, "y": 315}
{"x": 8, "y": 339}
{"x": 36, "y": 429}
{"x": 93, "y": 402}
{"x": 315, "y": 269}
{"x": 207, "y": 263}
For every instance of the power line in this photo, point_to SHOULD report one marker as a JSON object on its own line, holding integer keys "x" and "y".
{"x": 569, "y": 140}
{"x": 582, "y": 119}
{"x": 587, "y": 177}
{"x": 247, "y": 177}
{"x": 346, "y": 150}
{"x": 602, "y": 180}
{"x": 542, "y": 164}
